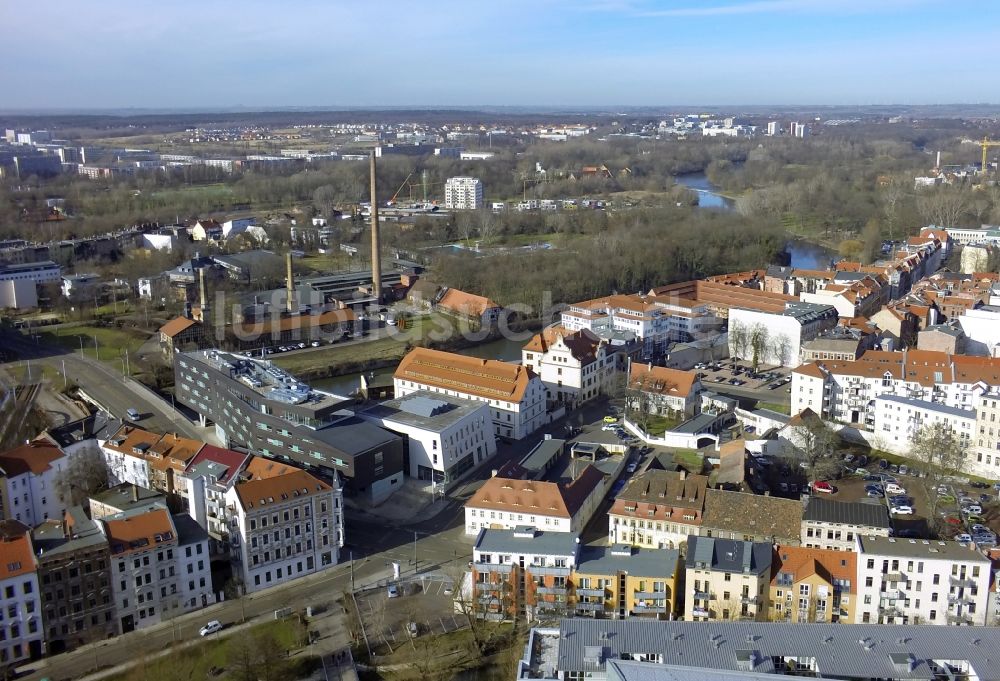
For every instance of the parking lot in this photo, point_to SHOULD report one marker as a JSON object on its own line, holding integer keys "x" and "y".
{"x": 426, "y": 603}
{"x": 740, "y": 375}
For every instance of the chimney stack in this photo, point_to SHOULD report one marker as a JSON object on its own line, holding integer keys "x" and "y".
{"x": 203, "y": 295}
{"x": 135, "y": 493}
{"x": 376, "y": 245}
{"x": 290, "y": 305}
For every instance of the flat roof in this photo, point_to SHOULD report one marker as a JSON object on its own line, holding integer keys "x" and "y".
{"x": 527, "y": 540}
{"x": 426, "y": 410}
{"x": 637, "y": 562}
{"x": 930, "y": 406}
{"x": 922, "y": 548}
{"x": 823, "y": 510}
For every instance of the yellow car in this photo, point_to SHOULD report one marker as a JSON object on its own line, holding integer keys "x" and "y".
{"x": 611, "y": 419}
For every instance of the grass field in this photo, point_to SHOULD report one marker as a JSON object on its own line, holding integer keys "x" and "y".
{"x": 658, "y": 425}
{"x": 775, "y": 406}
{"x": 691, "y": 459}
{"x": 198, "y": 661}
{"x": 112, "y": 342}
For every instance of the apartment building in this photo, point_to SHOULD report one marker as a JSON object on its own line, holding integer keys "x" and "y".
{"x": 574, "y": 366}
{"x": 258, "y": 407}
{"x": 635, "y": 316}
{"x": 21, "y": 631}
{"x": 147, "y": 459}
{"x": 726, "y": 579}
{"x": 783, "y": 330}
{"x": 74, "y": 576}
{"x": 515, "y": 394}
{"x": 463, "y": 193}
{"x": 658, "y": 509}
{"x": 921, "y": 581}
{"x": 986, "y": 441}
{"x": 659, "y": 390}
{"x": 836, "y": 525}
{"x": 28, "y": 475}
{"x": 522, "y": 573}
{"x": 208, "y": 476}
{"x": 852, "y": 294}
{"x": 810, "y": 585}
{"x": 624, "y": 581}
{"x": 444, "y": 436}
{"x": 898, "y": 419}
{"x": 284, "y": 523}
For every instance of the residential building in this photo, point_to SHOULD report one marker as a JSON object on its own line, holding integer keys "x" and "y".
{"x": 478, "y": 309}
{"x": 182, "y": 334}
{"x": 28, "y": 476}
{"x": 575, "y": 366}
{"x": 942, "y": 338}
{"x": 988, "y": 234}
{"x": 625, "y": 581}
{"x": 659, "y": 390}
{"x": 658, "y": 509}
{"x": 810, "y": 585}
{"x": 44, "y": 272}
{"x": 726, "y": 579}
{"x": 148, "y": 459}
{"x": 203, "y": 485}
{"x": 194, "y": 584}
{"x": 640, "y": 317}
{"x": 898, "y": 324}
{"x": 515, "y": 394}
{"x": 74, "y": 576}
{"x": 899, "y": 419}
{"x": 751, "y": 517}
{"x": 835, "y": 525}
{"x": 79, "y": 286}
{"x": 921, "y": 581}
{"x": 841, "y": 343}
{"x": 522, "y": 573}
{"x": 261, "y": 408}
{"x": 979, "y": 326}
{"x": 651, "y": 650}
{"x": 21, "y": 627}
{"x": 123, "y": 498}
{"x": 285, "y": 524}
{"x": 445, "y": 437}
{"x": 853, "y": 294}
{"x": 463, "y": 193}
{"x": 509, "y": 502}
{"x": 986, "y": 442}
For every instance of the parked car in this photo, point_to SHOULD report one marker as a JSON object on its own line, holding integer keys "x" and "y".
{"x": 873, "y": 478}
{"x": 903, "y": 470}
{"x": 632, "y": 467}
{"x": 133, "y": 414}
{"x": 611, "y": 419}
{"x": 894, "y": 468}
{"x": 413, "y": 629}
{"x": 901, "y": 510}
{"x": 963, "y": 538}
{"x": 862, "y": 460}
{"x": 210, "y": 628}
{"x": 823, "y": 487}
{"x": 979, "y": 485}
{"x": 609, "y": 427}
{"x": 883, "y": 464}
{"x": 973, "y": 509}
{"x": 893, "y": 488}
{"x": 875, "y": 488}
{"x": 985, "y": 499}
{"x": 874, "y": 494}
{"x": 392, "y": 591}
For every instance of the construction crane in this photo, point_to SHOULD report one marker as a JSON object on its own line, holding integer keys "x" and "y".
{"x": 408, "y": 184}
{"x": 986, "y": 144}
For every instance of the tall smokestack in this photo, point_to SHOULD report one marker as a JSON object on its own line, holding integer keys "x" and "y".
{"x": 289, "y": 285}
{"x": 938, "y": 164}
{"x": 376, "y": 245}
{"x": 203, "y": 294}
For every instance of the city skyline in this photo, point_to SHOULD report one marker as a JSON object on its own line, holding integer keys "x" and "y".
{"x": 556, "y": 53}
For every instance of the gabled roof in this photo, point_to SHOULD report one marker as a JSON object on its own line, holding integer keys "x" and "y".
{"x": 661, "y": 380}
{"x": 582, "y": 344}
{"x": 176, "y": 326}
{"x": 802, "y": 562}
{"x": 221, "y": 463}
{"x": 17, "y": 556}
{"x": 35, "y": 457}
{"x": 487, "y": 378}
{"x": 139, "y": 531}
{"x": 742, "y": 513}
{"x": 465, "y": 303}
{"x": 728, "y": 555}
{"x": 263, "y": 492}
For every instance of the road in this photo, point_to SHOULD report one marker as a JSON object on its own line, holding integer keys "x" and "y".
{"x": 105, "y": 385}
{"x": 444, "y": 553}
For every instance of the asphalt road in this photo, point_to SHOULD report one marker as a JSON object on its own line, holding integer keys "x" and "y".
{"x": 105, "y": 385}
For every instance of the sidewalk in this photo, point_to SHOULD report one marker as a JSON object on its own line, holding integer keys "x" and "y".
{"x": 413, "y": 503}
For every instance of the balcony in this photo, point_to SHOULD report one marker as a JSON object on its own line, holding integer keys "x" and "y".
{"x": 894, "y": 577}
{"x": 553, "y": 590}
{"x": 962, "y": 619}
{"x": 649, "y": 609}
{"x": 490, "y": 586}
{"x": 502, "y": 568}
{"x": 961, "y": 598}
{"x": 749, "y": 600}
{"x": 650, "y": 595}
{"x": 700, "y": 612}
{"x": 590, "y": 607}
{"x": 962, "y": 583}
{"x": 702, "y": 596}
{"x": 539, "y": 570}
{"x": 890, "y": 611}
{"x": 599, "y": 593}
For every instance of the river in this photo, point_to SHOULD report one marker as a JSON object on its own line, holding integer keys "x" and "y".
{"x": 804, "y": 254}
{"x": 502, "y": 349}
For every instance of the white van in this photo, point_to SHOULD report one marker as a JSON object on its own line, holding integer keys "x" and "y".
{"x": 133, "y": 414}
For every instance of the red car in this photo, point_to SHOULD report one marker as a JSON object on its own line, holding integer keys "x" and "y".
{"x": 824, "y": 487}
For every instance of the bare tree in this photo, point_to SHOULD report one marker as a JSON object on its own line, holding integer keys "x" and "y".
{"x": 943, "y": 206}
{"x": 890, "y": 198}
{"x": 489, "y": 225}
{"x": 86, "y": 473}
{"x": 783, "y": 348}
{"x": 759, "y": 336}
{"x": 739, "y": 339}
{"x": 815, "y": 445}
{"x": 939, "y": 453}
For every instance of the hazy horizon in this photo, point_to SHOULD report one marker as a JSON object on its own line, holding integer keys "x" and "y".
{"x": 252, "y": 55}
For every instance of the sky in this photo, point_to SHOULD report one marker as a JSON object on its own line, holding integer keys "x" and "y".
{"x": 58, "y": 54}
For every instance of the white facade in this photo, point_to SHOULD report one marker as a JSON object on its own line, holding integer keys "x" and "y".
{"x": 897, "y": 420}
{"x": 785, "y": 333}
{"x": 18, "y": 295}
{"x": 985, "y": 457}
{"x": 568, "y": 378}
{"x": 38, "y": 272}
{"x": 920, "y": 581}
{"x": 78, "y": 284}
{"x": 231, "y": 228}
{"x": 21, "y": 625}
{"x": 650, "y": 322}
{"x": 195, "y": 570}
{"x": 987, "y": 235}
{"x": 283, "y": 528}
{"x": 514, "y": 420}
{"x": 463, "y": 193}
{"x": 477, "y": 519}
{"x": 982, "y": 331}
{"x": 457, "y": 437}
{"x": 159, "y": 242}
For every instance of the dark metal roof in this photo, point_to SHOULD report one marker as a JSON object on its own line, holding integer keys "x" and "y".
{"x": 823, "y": 510}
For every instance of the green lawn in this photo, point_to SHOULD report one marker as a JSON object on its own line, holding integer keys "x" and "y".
{"x": 690, "y": 459}
{"x": 112, "y": 342}
{"x": 775, "y": 406}
{"x": 658, "y": 425}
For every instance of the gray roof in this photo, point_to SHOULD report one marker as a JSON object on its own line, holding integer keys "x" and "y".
{"x": 353, "y": 436}
{"x": 424, "y": 409}
{"x": 48, "y": 538}
{"x": 840, "y": 651}
{"x": 97, "y": 426}
{"x": 188, "y": 530}
{"x": 542, "y": 543}
{"x": 931, "y": 406}
{"x": 772, "y": 415}
{"x": 630, "y": 670}
{"x": 945, "y": 329}
{"x": 922, "y": 548}
{"x": 823, "y": 510}
{"x": 127, "y": 496}
{"x": 539, "y": 458}
{"x": 701, "y": 423}
{"x": 808, "y": 312}
{"x": 728, "y": 555}
{"x": 604, "y": 560}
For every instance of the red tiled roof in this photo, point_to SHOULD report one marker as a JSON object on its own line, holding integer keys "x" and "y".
{"x": 262, "y": 492}
{"x": 34, "y": 457}
{"x": 140, "y": 531}
{"x": 17, "y": 557}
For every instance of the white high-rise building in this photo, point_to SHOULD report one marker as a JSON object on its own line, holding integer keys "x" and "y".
{"x": 463, "y": 193}
{"x": 772, "y": 128}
